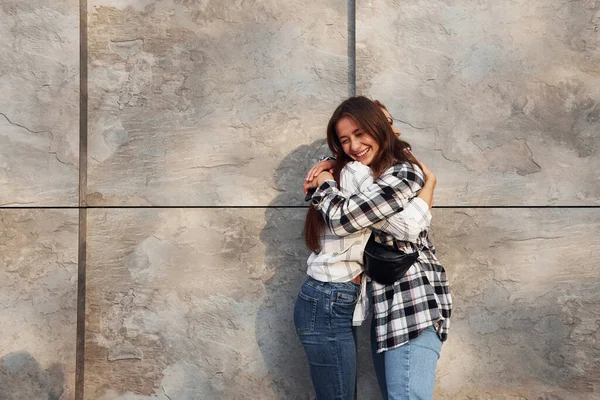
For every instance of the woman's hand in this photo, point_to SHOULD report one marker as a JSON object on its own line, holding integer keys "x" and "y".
{"x": 325, "y": 165}
{"x": 315, "y": 183}
{"x": 426, "y": 192}
{"x": 429, "y": 175}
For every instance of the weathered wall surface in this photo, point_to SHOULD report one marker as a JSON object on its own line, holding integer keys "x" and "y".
{"x": 38, "y": 301}
{"x": 225, "y": 104}
{"x": 502, "y": 98}
{"x": 39, "y": 105}
{"x": 526, "y": 322}
{"x": 196, "y": 103}
{"x": 39, "y": 116}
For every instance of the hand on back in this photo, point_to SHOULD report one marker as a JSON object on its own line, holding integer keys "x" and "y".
{"x": 427, "y": 172}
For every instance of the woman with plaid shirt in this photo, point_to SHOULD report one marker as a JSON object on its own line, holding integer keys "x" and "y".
{"x": 411, "y": 317}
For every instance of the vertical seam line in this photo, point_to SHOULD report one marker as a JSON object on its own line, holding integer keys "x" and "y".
{"x": 82, "y": 232}
{"x": 351, "y": 48}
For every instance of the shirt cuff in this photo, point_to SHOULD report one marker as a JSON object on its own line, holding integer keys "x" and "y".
{"x": 324, "y": 158}
{"x": 322, "y": 191}
{"x": 417, "y": 209}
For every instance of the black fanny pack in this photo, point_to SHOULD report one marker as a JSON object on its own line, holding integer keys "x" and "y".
{"x": 384, "y": 264}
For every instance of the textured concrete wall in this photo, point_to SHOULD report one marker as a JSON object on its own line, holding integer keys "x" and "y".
{"x": 502, "y": 98}
{"x": 526, "y": 322}
{"x": 196, "y": 103}
{"x": 39, "y": 105}
{"x": 39, "y": 116}
{"x": 38, "y": 299}
{"x": 212, "y": 103}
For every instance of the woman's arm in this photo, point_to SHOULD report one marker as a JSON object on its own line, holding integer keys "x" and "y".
{"x": 416, "y": 217}
{"x": 389, "y": 194}
{"x": 408, "y": 224}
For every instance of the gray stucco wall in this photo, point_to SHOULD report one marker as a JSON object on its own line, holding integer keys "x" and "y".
{"x": 500, "y": 97}
{"x": 221, "y": 104}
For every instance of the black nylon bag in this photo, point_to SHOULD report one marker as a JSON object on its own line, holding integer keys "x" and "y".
{"x": 384, "y": 264}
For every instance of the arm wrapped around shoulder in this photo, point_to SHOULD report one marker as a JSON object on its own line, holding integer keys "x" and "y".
{"x": 388, "y": 195}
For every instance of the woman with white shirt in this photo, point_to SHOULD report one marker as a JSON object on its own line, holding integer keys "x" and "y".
{"x": 333, "y": 298}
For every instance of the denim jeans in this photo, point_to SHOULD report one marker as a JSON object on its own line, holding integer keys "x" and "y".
{"x": 323, "y": 320}
{"x": 408, "y": 372}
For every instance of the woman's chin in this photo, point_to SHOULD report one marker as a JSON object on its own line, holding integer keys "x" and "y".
{"x": 365, "y": 160}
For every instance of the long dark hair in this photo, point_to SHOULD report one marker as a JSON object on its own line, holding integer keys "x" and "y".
{"x": 368, "y": 116}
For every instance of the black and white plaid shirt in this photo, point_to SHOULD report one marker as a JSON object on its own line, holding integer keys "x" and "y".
{"x": 422, "y": 297}
{"x": 340, "y": 257}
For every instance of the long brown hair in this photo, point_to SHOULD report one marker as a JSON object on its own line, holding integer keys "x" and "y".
{"x": 368, "y": 116}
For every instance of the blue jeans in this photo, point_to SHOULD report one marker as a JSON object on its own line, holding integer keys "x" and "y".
{"x": 408, "y": 372}
{"x": 323, "y": 320}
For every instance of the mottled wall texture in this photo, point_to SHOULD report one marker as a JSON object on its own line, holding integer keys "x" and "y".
{"x": 204, "y": 106}
{"x": 502, "y": 97}
{"x": 39, "y": 148}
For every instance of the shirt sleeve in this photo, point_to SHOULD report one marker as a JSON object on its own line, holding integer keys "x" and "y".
{"x": 388, "y": 195}
{"x": 355, "y": 178}
{"x": 408, "y": 224}
{"x": 324, "y": 158}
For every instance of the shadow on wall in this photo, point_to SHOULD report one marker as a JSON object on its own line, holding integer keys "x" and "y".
{"x": 22, "y": 378}
{"x": 285, "y": 263}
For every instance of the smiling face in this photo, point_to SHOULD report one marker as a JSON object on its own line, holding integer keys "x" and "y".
{"x": 356, "y": 142}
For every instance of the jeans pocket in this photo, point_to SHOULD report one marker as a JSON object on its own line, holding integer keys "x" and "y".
{"x": 305, "y": 313}
{"x": 343, "y": 302}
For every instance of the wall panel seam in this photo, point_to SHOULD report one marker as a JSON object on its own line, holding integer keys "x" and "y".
{"x": 82, "y": 233}
{"x": 351, "y": 48}
{"x": 275, "y": 206}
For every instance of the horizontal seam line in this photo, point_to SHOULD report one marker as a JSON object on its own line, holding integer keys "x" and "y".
{"x": 269, "y": 206}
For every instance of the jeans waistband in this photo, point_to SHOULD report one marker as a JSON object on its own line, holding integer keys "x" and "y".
{"x": 332, "y": 285}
